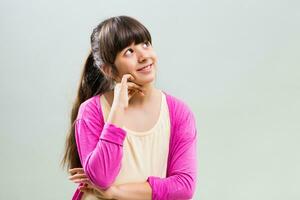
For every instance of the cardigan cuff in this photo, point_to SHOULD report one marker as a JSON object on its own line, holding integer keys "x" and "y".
{"x": 113, "y": 133}
{"x": 153, "y": 182}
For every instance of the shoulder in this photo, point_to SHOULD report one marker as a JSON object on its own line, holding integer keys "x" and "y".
{"x": 182, "y": 117}
{"x": 90, "y": 108}
{"x": 178, "y": 107}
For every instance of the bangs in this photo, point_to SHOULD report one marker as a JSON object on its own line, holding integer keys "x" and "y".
{"x": 130, "y": 33}
{"x": 121, "y": 32}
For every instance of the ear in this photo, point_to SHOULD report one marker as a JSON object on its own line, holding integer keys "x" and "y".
{"x": 107, "y": 70}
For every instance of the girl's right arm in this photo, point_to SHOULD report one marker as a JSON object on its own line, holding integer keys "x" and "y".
{"x": 101, "y": 155}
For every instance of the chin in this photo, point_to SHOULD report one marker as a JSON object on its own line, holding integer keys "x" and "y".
{"x": 145, "y": 80}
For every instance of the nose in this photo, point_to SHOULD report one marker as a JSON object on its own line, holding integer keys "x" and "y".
{"x": 142, "y": 55}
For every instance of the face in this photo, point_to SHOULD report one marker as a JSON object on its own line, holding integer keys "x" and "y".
{"x": 139, "y": 60}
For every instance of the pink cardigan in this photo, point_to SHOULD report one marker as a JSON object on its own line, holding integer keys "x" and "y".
{"x": 100, "y": 150}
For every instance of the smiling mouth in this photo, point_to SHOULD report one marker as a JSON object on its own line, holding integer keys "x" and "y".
{"x": 145, "y": 68}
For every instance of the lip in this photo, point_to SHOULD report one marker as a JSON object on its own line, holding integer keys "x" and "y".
{"x": 141, "y": 69}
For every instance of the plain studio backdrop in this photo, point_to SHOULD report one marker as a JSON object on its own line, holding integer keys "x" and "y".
{"x": 236, "y": 64}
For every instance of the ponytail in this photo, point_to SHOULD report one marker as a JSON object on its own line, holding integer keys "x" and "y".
{"x": 92, "y": 82}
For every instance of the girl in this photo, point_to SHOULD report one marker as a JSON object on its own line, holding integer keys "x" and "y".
{"x": 128, "y": 139}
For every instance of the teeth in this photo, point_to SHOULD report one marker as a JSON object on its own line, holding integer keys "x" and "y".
{"x": 146, "y": 67}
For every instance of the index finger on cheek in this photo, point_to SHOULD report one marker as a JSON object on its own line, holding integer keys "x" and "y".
{"x": 131, "y": 77}
{"x": 124, "y": 79}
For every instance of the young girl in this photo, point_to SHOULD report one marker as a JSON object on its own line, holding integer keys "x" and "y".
{"x": 128, "y": 139}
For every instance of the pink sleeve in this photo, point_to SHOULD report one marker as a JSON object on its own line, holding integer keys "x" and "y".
{"x": 100, "y": 150}
{"x": 181, "y": 178}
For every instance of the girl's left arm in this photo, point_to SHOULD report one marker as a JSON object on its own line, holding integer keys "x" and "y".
{"x": 133, "y": 191}
{"x": 180, "y": 182}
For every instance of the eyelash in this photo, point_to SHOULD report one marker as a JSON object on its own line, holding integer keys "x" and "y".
{"x": 146, "y": 42}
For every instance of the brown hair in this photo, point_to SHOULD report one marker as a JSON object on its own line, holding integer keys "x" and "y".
{"x": 108, "y": 38}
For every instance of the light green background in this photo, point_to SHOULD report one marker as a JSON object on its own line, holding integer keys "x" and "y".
{"x": 236, "y": 63}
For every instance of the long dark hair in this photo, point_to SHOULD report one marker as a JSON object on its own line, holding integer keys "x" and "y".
{"x": 108, "y": 38}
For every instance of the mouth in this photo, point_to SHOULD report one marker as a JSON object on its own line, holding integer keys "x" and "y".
{"x": 145, "y": 68}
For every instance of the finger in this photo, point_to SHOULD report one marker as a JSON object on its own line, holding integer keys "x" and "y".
{"x": 89, "y": 188}
{"x": 124, "y": 80}
{"x": 142, "y": 93}
{"x": 129, "y": 77}
{"x": 73, "y": 170}
{"x": 77, "y": 176}
{"x": 84, "y": 189}
{"x": 85, "y": 186}
{"x": 126, "y": 77}
{"x": 83, "y": 180}
{"x": 132, "y": 93}
{"x": 134, "y": 85}
{"x": 76, "y": 169}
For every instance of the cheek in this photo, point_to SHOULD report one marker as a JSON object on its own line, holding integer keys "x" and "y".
{"x": 125, "y": 68}
{"x": 154, "y": 56}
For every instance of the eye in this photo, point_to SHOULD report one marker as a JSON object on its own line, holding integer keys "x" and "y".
{"x": 146, "y": 43}
{"x": 128, "y": 50}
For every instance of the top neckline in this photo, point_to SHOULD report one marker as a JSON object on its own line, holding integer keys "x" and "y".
{"x": 141, "y": 133}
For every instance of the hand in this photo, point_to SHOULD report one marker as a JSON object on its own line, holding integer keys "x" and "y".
{"x": 106, "y": 194}
{"x": 124, "y": 90}
{"x": 78, "y": 176}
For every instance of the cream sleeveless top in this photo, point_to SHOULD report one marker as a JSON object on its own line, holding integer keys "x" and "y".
{"x": 144, "y": 153}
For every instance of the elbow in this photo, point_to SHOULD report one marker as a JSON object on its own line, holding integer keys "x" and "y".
{"x": 180, "y": 186}
{"x": 101, "y": 178}
{"x": 103, "y": 184}
{"x": 189, "y": 186}
{"x": 189, "y": 193}
{"x": 103, "y": 181}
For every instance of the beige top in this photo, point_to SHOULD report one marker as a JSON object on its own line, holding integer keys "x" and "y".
{"x": 144, "y": 153}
